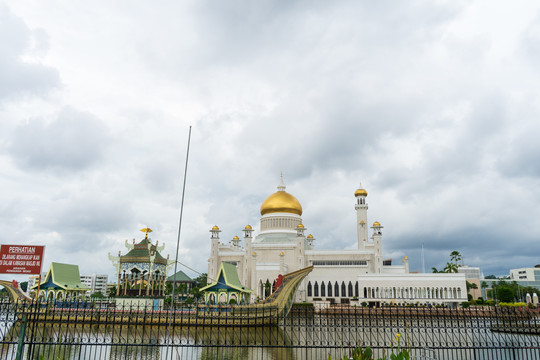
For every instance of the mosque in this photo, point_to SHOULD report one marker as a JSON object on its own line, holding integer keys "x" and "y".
{"x": 339, "y": 276}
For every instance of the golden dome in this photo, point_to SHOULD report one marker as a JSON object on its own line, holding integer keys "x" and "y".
{"x": 215, "y": 227}
{"x": 310, "y": 236}
{"x": 248, "y": 227}
{"x": 235, "y": 238}
{"x": 281, "y": 253}
{"x": 300, "y": 226}
{"x": 360, "y": 192}
{"x": 376, "y": 223}
{"x": 281, "y": 201}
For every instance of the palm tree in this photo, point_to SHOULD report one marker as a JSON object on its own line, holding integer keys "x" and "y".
{"x": 451, "y": 267}
{"x": 456, "y": 257}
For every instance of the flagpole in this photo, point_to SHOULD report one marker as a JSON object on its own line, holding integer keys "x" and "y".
{"x": 178, "y": 241}
{"x": 423, "y": 263}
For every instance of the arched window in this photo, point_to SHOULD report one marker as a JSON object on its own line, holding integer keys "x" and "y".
{"x": 316, "y": 289}
{"x": 343, "y": 289}
{"x": 350, "y": 290}
{"x": 329, "y": 289}
{"x": 323, "y": 289}
{"x": 356, "y": 289}
{"x": 336, "y": 289}
{"x": 309, "y": 289}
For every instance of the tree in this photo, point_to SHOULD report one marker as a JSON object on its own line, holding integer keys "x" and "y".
{"x": 97, "y": 295}
{"x": 168, "y": 288}
{"x": 452, "y": 265}
{"x": 112, "y": 291}
{"x": 471, "y": 286}
{"x": 24, "y": 286}
{"x": 196, "y": 292}
{"x": 455, "y": 257}
{"x": 490, "y": 277}
{"x": 505, "y": 293}
{"x": 267, "y": 287}
{"x": 201, "y": 280}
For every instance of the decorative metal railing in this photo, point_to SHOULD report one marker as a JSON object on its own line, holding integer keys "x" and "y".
{"x": 99, "y": 330}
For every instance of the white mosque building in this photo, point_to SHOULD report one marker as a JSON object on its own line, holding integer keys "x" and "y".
{"x": 339, "y": 276}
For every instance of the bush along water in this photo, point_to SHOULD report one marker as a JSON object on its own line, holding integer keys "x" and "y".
{"x": 397, "y": 353}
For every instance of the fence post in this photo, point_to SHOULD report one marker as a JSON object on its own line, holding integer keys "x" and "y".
{"x": 20, "y": 344}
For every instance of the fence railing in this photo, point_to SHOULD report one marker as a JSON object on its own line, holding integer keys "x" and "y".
{"x": 101, "y": 330}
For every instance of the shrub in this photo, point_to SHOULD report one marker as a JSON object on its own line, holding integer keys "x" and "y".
{"x": 465, "y": 304}
{"x": 480, "y": 301}
{"x": 514, "y": 304}
{"x": 364, "y": 304}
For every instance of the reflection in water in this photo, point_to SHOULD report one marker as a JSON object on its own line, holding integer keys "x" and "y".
{"x": 299, "y": 337}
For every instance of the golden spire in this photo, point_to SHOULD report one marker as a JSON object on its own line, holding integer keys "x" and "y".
{"x": 146, "y": 230}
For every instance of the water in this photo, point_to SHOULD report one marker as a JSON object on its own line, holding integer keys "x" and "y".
{"x": 299, "y": 337}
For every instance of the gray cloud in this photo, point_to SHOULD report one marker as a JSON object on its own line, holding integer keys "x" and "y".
{"x": 73, "y": 140}
{"x": 18, "y": 77}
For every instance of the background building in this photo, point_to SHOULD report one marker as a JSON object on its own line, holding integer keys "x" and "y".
{"x": 96, "y": 283}
{"x": 474, "y": 276}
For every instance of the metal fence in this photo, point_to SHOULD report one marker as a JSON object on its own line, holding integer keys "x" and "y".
{"x": 99, "y": 330}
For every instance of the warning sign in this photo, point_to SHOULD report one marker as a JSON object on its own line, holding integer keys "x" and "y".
{"x": 21, "y": 259}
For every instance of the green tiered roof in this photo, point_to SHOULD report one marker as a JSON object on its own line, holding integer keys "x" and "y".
{"x": 141, "y": 251}
{"x": 230, "y": 275}
{"x": 65, "y": 276}
{"x": 180, "y": 277}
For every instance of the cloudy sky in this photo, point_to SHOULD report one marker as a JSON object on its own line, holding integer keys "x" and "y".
{"x": 433, "y": 105}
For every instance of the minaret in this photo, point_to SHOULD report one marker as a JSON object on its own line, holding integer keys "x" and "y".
{"x": 377, "y": 244}
{"x": 213, "y": 265}
{"x": 361, "y": 217}
{"x": 300, "y": 246}
{"x": 248, "y": 237}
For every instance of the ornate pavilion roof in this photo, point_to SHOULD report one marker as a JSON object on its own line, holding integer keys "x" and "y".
{"x": 142, "y": 252}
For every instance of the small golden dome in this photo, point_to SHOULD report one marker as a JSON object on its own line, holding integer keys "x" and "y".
{"x": 376, "y": 223}
{"x": 300, "y": 226}
{"x": 362, "y": 222}
{"x": 281, "y": 201}
{"x": 254, "y": 254}
{"x": 248, "y": 227}
{"x": 281, "y": 253}
{"x": 236, "y": 238}
{"x": 310, "y": 236}
{"x": 360, "y": 192}
{"x": 215, "y": 227}
{"x": 405, "y": 258}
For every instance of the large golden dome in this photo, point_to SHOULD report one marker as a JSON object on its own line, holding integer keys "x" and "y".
{"x": 281, "y": 201}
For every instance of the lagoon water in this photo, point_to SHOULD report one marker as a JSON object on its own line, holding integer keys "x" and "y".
{"x": 299, "y": 337}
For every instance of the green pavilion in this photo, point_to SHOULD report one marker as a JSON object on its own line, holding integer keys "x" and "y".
{"x": 227, "y": 289}
{"x": 181, "y": 281}
{"x": 62, "y": 282}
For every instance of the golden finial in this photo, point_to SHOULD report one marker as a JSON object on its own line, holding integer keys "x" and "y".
{"x": 146, "y": 230}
